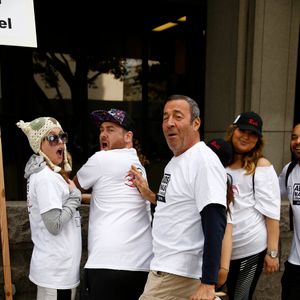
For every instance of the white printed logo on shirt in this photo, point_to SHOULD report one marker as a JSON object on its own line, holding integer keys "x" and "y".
{"x": 161, "y": 196}
{"x": 296, "y": 194}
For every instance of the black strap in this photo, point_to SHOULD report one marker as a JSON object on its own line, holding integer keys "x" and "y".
{"x": 229, "y": 179}
{"x": 290, "y": 168}
{"x": 253, "y": 184}
{"x": 291, "y": 216}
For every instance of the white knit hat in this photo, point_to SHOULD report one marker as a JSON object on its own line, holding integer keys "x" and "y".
{"x": 35, "y": 131}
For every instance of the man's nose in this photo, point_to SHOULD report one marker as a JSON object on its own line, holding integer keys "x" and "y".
{"x": 170, "y": 121}
{"x": 102, "y": 133}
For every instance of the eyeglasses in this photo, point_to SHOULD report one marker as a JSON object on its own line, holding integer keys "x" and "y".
{"x": 54, "y": 139}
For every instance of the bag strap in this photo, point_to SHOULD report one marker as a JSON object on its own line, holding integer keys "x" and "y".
{"x": 253, "y": 184}
{"x": 290, "y": 168}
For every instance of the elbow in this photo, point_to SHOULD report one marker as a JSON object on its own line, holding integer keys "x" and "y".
{"x": 54, "y": 230}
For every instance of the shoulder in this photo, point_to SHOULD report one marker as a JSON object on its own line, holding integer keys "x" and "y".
{"x": 116, "y": 153}
{"x": 203, "y": 152}
{"x": 97, "y": 156}
{"x": 46, "y": 177}
{"x": 289, "y": 168}
{"x": 47, "y": 172}
{"x": 284, "y": 169}
{"x": 263, "y": 162}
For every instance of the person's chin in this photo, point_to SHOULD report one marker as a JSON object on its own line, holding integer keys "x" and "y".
{"x": 297, "y": 154}
{"x": 58, "y": 162}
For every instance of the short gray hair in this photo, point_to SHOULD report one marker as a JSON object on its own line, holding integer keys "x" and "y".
{"x": 195, "y": 110}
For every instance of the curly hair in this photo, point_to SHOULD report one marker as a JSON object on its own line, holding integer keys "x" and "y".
{"x": 249, "y": 159}
{"x": 142, "y": 157}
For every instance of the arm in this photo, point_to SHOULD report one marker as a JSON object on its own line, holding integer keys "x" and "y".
{"x": 272, "y": 264}
{"x": 142, "y": 185}
{"x": 55, "y": 219}
{"x": 77, "y": 184}
{"x": 85, "y": 194}
{"x": 270, "y": 207}
{"x": 86, "y": 198}
{"x": 213, "y": 218}
{"x": 225, "y": 255}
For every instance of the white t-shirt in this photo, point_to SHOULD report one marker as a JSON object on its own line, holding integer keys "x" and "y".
{"x": 250, "y": 208}
{"x": 55, "y": 261}
{"x": 191, "y": 181}
{"x": 119, "y": 234}
{"x": 293, "y": 194}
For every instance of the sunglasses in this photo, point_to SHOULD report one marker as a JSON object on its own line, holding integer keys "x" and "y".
{"x": 54, "y": 139}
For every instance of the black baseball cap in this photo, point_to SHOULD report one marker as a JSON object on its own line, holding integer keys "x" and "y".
{"x": 113, "y": 115}
{"x": 223, "y": 149}
{"x": 249, "y": 121}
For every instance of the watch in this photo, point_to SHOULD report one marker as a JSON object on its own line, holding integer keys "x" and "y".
{"x": 273, "y": 253}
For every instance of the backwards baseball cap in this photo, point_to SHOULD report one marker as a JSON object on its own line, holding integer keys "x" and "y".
{"x": 223, "y": 149}
{"x": 249, "y": 121}
{"x": 113, "y": 115}
{"x": 35, "y": 131}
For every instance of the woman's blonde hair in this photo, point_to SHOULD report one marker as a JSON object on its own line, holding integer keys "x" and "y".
{"x": 66, "y": 173}
{"x": 249, "y": 159}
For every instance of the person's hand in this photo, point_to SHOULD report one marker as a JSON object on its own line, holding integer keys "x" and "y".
{"x": 271, "y": 264}
{"x": 86, "y": 198}
{"x": 204, "y": 292}
{"x": 142, "y": 185}
{"x": 71, "y": 185}
{"x": 222, "y": 277}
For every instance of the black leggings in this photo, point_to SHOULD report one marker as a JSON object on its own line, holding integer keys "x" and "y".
{"x": 114, "y": 284}
{"x": 290, "y": 282}
{"x": 243, "y": 276}
{"x": 64, "y": 294}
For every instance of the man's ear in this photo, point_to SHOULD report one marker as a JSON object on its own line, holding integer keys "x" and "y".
{"x": 196, "y": 123}
{"x": 129, "y": 137}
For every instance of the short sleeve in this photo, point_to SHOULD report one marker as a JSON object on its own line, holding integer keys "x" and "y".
{"x": 210, "y": 186}
{"x": 49, "y": 194}
{"x": 267, "y": 192}
{"x": 87, "y": 174}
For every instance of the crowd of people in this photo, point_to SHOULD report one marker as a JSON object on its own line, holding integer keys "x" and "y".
{"x": 215, "y": 226}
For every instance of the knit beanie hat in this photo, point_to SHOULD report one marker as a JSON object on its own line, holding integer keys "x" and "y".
{"x": 223, "y": 149}
{"x": 35, "y": 131}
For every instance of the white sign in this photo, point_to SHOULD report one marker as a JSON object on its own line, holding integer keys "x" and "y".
{"x": 17, "y": 23}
